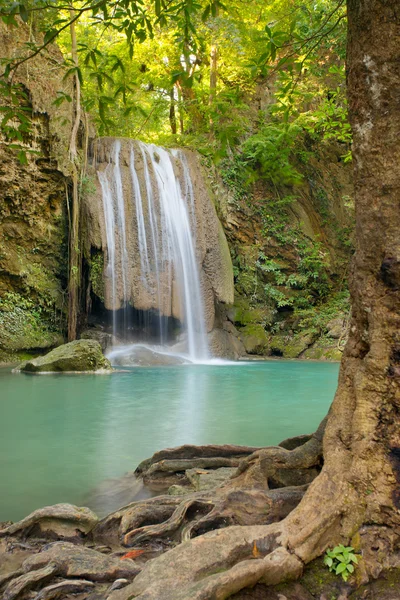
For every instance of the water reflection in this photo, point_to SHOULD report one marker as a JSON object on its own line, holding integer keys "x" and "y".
{"x": 61, "y": 436}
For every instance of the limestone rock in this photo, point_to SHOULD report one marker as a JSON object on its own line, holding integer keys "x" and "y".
{"x": 225, "y": 345}
{"x": 105, "y": 339}
{"x": 336, "y": 328}
{"x": 77, "y": 356}
{"x": 145, "y": 356}
{"x": 255, "y": 339}
{"x": 212, "y": 251}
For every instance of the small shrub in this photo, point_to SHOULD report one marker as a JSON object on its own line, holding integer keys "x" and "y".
{"x": 340, "y": 560}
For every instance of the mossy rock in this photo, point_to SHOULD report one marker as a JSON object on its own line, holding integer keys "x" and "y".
{"x": 324, "y": 348}
{"x": 241, "y": 313}
{"x": 291, "y": 346}
{"x": 24, "y": 326}
{"x": 12, "y": 358}
{"x": 79, "y": 356}
{"x": 255, "y": 340}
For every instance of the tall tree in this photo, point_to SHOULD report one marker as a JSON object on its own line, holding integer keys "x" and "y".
{"x": 356, "y": 498}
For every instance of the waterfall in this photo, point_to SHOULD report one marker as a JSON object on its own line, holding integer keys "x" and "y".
{"x": 150, "y": 233}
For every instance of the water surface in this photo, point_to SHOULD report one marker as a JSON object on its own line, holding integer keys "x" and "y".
{"x": 61, "y": 435}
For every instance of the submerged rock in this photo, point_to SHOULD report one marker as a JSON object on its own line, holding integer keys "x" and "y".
{"x": 78, "y": 356}
{"x": 145, "y": 356}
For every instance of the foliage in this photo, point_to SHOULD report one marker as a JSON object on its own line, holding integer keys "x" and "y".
{"x": 23, "y": 324}
{"x": 341, "y": 560}
{"x": 145, "y": 70}
{"x": 269, "y": 150}
{"x": 302, "y": 288}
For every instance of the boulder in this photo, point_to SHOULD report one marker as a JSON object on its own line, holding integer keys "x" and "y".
{"x": 255, "y": 339}
{"x": 146, "y": 356}
{"x": 79, "y": 356}
{"x": 336, "y": 328}
{"x": 223, "y": 344}
{"x": 105, "y": 339}
{"x": 291, "y": 346}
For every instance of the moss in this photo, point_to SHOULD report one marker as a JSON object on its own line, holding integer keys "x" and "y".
{"x": 242, "y": 313}
{"x": 254, "y": 339}
{"x": 291, "y": 346}
{"x": 324, "y": 349}
{"x": 77, "y": 356}
{"x": 13, "y": 358}
{"x": 23, "y": 325}
{"x": 319, "y": 581}
{"x": 96, "y": 275}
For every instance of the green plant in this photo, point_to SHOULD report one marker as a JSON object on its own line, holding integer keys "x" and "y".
{"x": 340, "y": 560}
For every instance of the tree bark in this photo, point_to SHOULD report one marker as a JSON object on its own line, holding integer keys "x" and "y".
{"x": 172, "y": 115}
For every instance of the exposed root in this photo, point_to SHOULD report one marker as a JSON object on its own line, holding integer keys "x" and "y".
{"x": 277, "y": 466}
{"x": 219, "y": 540}
{"x": 178, "y": 460}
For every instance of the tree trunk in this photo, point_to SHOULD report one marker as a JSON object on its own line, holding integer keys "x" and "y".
{"x": 356, "y": 498}
{"x": 74, "y": 252}
{"x": 172, "y": 115}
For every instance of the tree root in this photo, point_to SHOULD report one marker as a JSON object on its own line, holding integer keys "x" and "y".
{"x": 218, "y": 540}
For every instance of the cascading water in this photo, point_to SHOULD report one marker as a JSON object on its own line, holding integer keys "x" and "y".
{"x": 157, "y": 210}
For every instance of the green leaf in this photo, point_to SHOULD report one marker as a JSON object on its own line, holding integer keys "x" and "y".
{"x": 49, "y": 35}
{"x": 206, "y": 13}
{"x": 341, "y": 568}
{"x": 23, "y": 13}
{"x": 22, "y": 157}
{"x": 350, "y": 568}
{"x": 353, "y": 558}
{"x": 328, "y": 561}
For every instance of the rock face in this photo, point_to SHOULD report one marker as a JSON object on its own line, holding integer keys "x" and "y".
{"x": 78, "y": 356}
{"x": 224, "y": 344}
{"x": 211, "y": 249}
{"x": 33, "y": 231}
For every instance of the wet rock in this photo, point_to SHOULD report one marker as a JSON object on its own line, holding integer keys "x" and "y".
{"x": 111, "y": 494}
{"x": 61, "y": 519}
{"x": 78, "y": 356}
{"x": 78, "y": 561}
{"x": 223, "y": 344}
{"x": 145, "y": 356}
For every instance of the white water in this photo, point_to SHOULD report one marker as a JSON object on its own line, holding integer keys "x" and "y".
{"x": 165, "y": 232}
